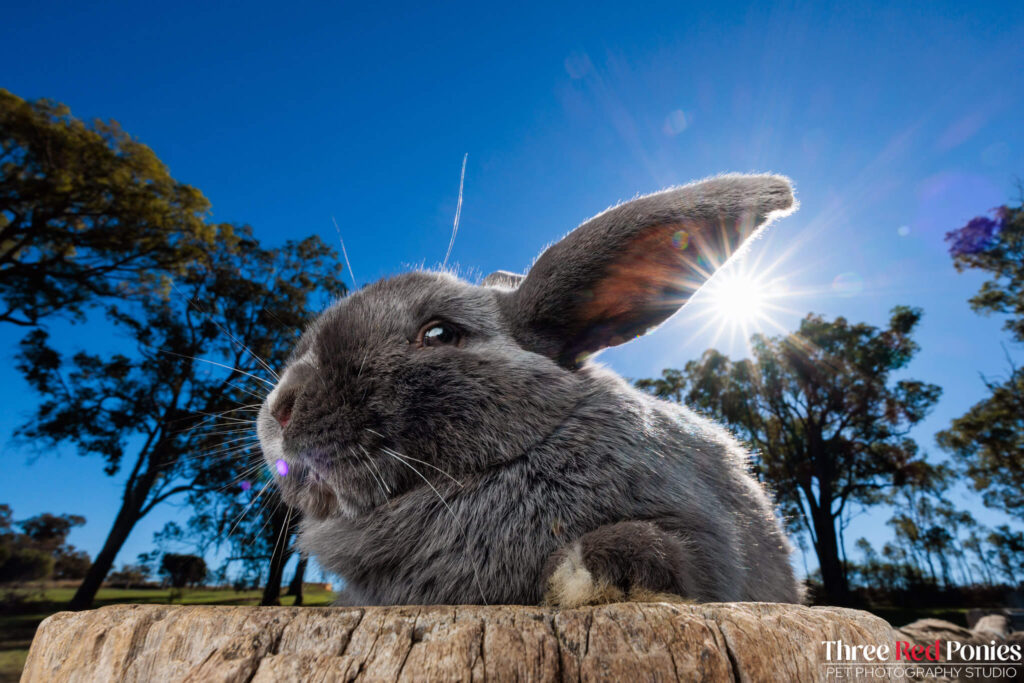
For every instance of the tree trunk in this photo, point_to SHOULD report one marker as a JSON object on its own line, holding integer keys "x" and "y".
{"x": 295, "y": 587}
{"x": 129, "y": 514}
{"x": 833, "y": 576}
{"x": 282, "y": 530}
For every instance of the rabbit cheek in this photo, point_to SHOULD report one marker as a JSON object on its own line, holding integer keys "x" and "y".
{"x": 318, "y": 501}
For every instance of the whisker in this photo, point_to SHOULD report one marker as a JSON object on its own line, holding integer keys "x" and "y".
{"x": 455, "y": 518}
{"x": 424, "y": 462}
{"x": 217, "y": 454}
{"x": 380, "y": 477}
{"x": 458, "y": 212}
{"x": 242, "y": 515}
{"x": 269, "y": 514}
{"x": 224, "y": 330}
{"x": 285, "y": 531}
{"x": 213, "y": 416}
{"x": 244, "y": 475}
{"x": 251, "y": 393}
{"x": 214, "y": 430}
{"x": 220, "y": 365}
{"x": 345, "y": 254}
{"x": 431, "y": 465}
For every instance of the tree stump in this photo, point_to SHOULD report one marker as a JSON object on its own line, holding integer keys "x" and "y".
{"x": 620, "y": 642}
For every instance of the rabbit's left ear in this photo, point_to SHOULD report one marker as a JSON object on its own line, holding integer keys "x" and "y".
{"x": 627, "y": 270}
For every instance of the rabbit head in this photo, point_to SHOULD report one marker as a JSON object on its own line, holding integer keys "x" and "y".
{"x": 423, "y": 376}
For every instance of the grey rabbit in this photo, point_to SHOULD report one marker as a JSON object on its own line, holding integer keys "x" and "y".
{"x": 452, "y": 443}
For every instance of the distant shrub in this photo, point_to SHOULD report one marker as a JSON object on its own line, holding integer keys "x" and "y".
{"x": 26, "y": 564}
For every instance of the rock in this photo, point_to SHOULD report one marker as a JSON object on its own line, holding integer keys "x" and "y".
{"x": 629, "y": 641}
{"x": 988, "y": 629}
{"x": 996, "y": 625}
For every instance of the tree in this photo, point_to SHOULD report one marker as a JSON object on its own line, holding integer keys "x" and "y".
{"x": 129, "y": 575}
{"x": 41, "y": 549}
{"x": 988, "y": 440}
{"x": 85, "y": 212}
{"x": 827, "y": 426}
{"x": 183, "y": 570}
{"x": 71, "y": 564}
{"x": 252, "y": 522}
{"x": 48, "y": 531}
{"x": 296, "y": 584}
{"x": 174, "y": 421}
{"x": 1009, "y": 550}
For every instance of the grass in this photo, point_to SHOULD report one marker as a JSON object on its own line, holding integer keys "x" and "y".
{"x": 17, "y": 629}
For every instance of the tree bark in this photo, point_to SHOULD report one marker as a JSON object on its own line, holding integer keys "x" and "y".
{"x": 295, "y": 587}
{"x": 833, "y": 576}
{"x": 129, "y": 514}
{"x": 282, "y": 530}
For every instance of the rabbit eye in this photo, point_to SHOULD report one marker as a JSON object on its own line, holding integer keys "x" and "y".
{"x": 438, "y": 333}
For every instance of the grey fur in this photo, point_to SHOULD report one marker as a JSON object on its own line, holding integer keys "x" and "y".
{"x": 516, "y": 446}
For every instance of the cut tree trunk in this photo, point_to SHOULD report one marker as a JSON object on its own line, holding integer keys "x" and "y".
{"x": 621, "y": 642}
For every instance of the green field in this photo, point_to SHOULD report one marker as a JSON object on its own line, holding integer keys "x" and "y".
{"x": 17, "y": 629}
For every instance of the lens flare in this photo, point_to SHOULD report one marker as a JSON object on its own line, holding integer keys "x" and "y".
{"x": 848, "y": 284}
{"x": 245, "y": 485}
{"x": 281, "y": 466}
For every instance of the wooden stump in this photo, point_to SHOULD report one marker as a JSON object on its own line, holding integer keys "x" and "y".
{"x": 621, "y": 642}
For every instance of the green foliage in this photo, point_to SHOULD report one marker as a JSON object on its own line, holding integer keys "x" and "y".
{"x": 988, "y": 440}
{"x": 86, "y": 212}
{"x": 128, "y": 576}
{"x": 26, "y": 564}
{"x": 995, "y": 246}
{"x": 988, "y": 443}
{"x": 71, "y": 564}
{"x": 1009, "y": 551}
{"x": 50, "y": 532}
{"x": 39, "y": 549}
{"x": 828, "y": 427}
{"x": 174, "y": 410}
{"x": 183, "y": 570}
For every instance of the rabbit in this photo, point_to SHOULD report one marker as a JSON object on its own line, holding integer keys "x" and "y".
{"x": 450, "y": 443}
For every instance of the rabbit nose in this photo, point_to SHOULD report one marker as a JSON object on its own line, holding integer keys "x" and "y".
{"x": 282, "y": 408}
{"x": 288, "y": 389}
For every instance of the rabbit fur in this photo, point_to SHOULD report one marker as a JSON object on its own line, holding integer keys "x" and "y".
{"x": 489, "y": 460}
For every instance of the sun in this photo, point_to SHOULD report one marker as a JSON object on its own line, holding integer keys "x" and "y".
{"x": 738, "y": 298}
{"x": 739, "y": 301}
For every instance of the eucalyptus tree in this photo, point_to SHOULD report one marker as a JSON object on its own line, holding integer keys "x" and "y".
{"x": 86, "y": 213}
{"x": 173, "y": 409}
{"x": 988, "y": 440}
{"x": 826, "y": 422}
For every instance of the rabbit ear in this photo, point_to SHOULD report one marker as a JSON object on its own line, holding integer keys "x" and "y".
{"x": 627, "y": 270}
{"x": 503, "y": 278}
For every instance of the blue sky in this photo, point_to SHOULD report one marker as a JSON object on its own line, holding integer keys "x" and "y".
{"x": 897, "y": 122}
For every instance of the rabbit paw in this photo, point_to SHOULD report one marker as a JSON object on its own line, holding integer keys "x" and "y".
{"x": 629, "y": 561}
{"x": 571, "y": 584}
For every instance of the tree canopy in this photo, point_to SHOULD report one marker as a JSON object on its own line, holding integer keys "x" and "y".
{"x": 828, "y": 427}
{"x": 86, "y": 212}
{"x": 988, "y": 440}
{"x": 174, "y": 410}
